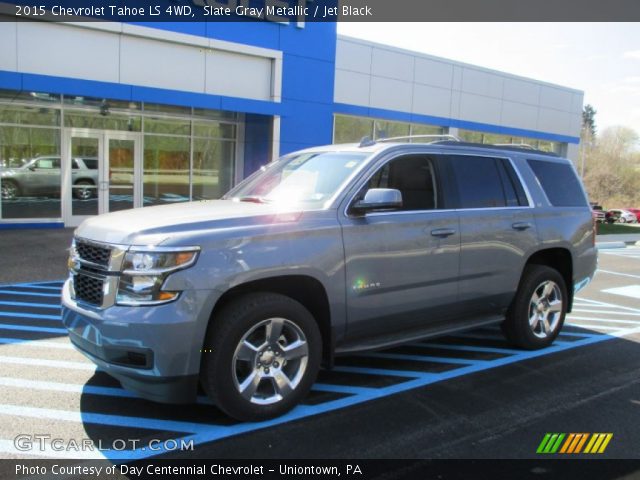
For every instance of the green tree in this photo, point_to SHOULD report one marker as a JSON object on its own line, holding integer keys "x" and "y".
{"x": 589, "y": 122}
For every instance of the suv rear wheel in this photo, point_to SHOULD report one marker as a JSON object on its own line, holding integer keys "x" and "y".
{"x": 537, "y": 313}
{"x": 10, "y": 190}
{"x": 261, "y": 356}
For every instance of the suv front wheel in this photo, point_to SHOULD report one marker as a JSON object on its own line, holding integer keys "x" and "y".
{"x": 537, "y": 313}
{"x": 261, "y": 356}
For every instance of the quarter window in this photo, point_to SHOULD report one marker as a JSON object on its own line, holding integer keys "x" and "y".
{"x": 560, "y": 182}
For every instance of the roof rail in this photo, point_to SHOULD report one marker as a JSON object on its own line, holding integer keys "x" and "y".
{"x": 411, "y": 137}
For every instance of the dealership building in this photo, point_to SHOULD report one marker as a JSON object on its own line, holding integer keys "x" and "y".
{"x": 99, "y": 116}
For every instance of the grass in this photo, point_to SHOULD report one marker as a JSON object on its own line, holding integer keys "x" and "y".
{"x": 611, "y": 228}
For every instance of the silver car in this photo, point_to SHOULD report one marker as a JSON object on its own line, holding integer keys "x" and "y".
{"x": 41, "y": 177}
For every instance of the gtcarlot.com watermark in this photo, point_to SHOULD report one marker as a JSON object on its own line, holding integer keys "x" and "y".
{"x": 45, "y": 442}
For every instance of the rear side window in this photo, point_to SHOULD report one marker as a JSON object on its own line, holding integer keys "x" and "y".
{"x": 479, "y": 181}
{"x": 560, "y": 182}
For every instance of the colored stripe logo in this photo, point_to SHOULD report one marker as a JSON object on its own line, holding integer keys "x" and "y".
{"x": 574, "y": 443}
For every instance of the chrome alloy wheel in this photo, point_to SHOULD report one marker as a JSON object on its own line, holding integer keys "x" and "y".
{"x": 270, "y": 361}
{"x": 545, "y": 309}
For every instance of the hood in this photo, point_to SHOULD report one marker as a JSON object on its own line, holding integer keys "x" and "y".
{"x": 157, "y": 224}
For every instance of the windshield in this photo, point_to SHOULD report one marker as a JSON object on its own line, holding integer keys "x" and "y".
{"x": 310, "y": 179}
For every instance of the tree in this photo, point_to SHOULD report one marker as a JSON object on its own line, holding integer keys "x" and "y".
{"x": 589, "y": 122}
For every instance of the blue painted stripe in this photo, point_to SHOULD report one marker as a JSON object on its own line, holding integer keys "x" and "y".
{"x": 30, "y": 294}
{"x": 469, "y": 348}
{"x": 380, "y": 371}
{"x": 449, "y": 122}
{"x": 326, "y": 387}
{"x": 31, "y": 315}
{"x": 39, "y": 287}
{"x": 28, "y": 328}
{"x": 421, "y": 358}
{"x": 29, "y": 304}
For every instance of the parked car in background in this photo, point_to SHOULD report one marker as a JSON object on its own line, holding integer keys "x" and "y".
{"x": 617, "y": 215}
{"x": 635, "y": 211}
{"x": 41, "y": 177}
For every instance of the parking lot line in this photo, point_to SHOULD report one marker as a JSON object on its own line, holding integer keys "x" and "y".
{"x": 104, "y": 419}
{"x": 35, "y": 343}
{"x": 28, "y": 328}
{"x": 618, "y": 273}
{"x": 41, "y": 362}
{"x": 30, "y": 294}
{"x": 30, "y": 304}
{"x": 420, "y": 358}
{"x": 605, "y": 320}
{"x": 8, "y": 446}
{"x": 352, "y": 393}
{"x": 57, "y": 318}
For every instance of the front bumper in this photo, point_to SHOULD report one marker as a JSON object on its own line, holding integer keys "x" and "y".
{"x": 153, "y": 351}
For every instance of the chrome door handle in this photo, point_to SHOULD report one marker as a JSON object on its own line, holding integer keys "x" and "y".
{"x": 442, "y": 232}
{"x": 521, "y": 226}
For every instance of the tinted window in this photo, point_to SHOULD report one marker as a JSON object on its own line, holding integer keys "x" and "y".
{"x": 560, "y": 182}
{"x": 74, "y": 164}
{"x": 91, "y": 163}
{"x": 479, "y": 183}
{"x": 414, "y": 176}
{"x": 48, "y": 163}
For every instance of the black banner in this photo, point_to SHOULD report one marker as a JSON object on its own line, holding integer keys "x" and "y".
{"x": 301, "y": 11}
{"x": 541, "y": 469}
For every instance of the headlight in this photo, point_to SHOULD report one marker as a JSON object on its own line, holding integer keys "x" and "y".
{"x": 144, "y": 273}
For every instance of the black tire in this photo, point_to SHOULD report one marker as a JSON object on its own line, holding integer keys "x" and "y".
{"x": 10, "y": 189}
{"x": 80, "y": 190}
{"x": 219, "y": 374}
{"x": 517, "y": 327}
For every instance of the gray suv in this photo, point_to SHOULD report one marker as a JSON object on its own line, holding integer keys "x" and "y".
{"x": 328, "y": 251}
{"x": 40, "y": 176}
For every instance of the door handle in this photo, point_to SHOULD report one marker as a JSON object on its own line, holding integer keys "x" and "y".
{"x": 521, "y": 226}
{"x": 442, "y": 232}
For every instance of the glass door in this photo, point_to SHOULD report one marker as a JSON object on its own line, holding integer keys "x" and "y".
{"x": 81, "y": 176}
{"x": 101, "y": 173}
{"x": 123, "y": 165}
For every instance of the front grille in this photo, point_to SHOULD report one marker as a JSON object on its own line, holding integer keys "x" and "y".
{"x": 93, "y": 253}
{"x": 88, "y": 289}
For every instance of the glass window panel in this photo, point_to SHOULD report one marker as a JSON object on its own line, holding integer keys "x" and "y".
{"x": 351, "y": 129}
{"x": 167, "y": 126}
{"x": 385, "y": 129}
{"x": 214, "y": 130}
{"x": 84, "y": 175}
{"x": 425, "y": 130}
{"x": 167, "y": 109}
{"x": 29, "y": 115}
{"x": 98, "y": 103}
{"x": 13, "y": 95}
{"x": 94, "y": 120}
{"x": 215, "y": 114}
{"x": 213, "y": 166}
{"x": 470, "y": 136}
{"x": 166, "y": 170}
{"x": 29, "y": 191}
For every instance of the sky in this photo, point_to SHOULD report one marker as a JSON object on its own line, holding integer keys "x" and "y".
{"x": 601, "y": 59}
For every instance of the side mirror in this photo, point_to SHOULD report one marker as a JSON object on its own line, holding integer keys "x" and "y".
{"x": 378, "y": 199}
{"x": 32, "y": 168}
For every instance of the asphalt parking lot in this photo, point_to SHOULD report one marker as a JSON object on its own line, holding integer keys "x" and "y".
{"x": 469, "y": 395}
